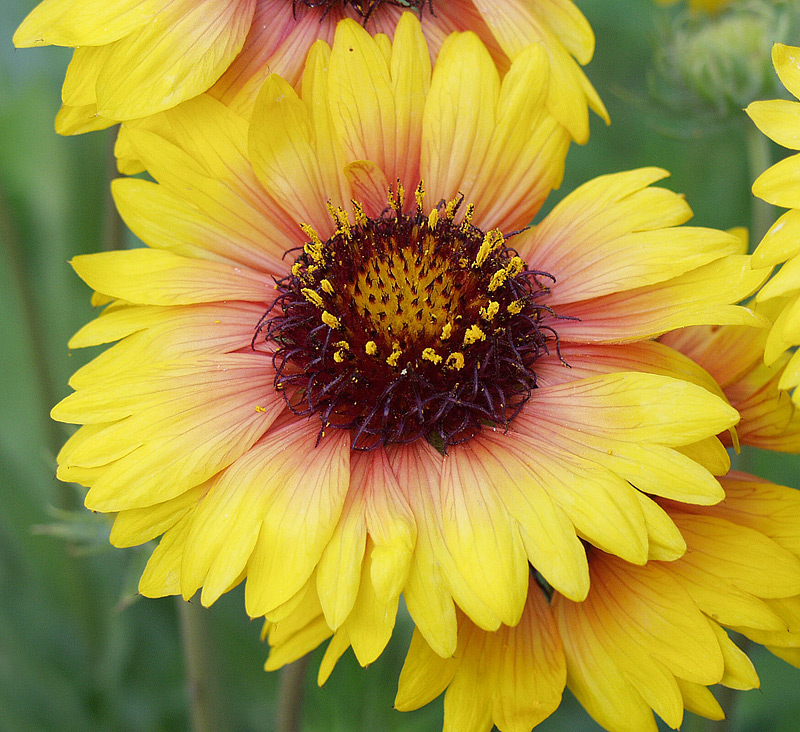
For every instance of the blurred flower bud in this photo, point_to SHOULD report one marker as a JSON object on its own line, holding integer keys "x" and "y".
{"x": 715, "y": 65}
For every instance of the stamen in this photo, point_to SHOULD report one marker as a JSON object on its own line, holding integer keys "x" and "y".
{"x": 312, "y": 297}
{"x": 331, "y": 320}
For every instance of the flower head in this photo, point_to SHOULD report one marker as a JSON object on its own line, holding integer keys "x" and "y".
{"x": 346, "y": 369}
{"x": 136, "y": 58}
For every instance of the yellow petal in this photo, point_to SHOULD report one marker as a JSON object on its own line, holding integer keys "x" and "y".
{"x": 779, "y": 184}
{"x": 161, "y": 576}
{"x": 309, "y": 489}
{"x": 177, "y": 56}
{"x": 486, "y": 546}
{"x": 284, "y": 157}
{"x": 140, "y": 525}
{"x": 502, "y": 466}
{"x": 428, "y": 597}
{"x": 781, "y": 242}
{"x": 779, "y": 120}
{"x": 362, "y": 99}
{"x": 704, "y": 296}
{"x": 339, "y": 569}
{"x": 152, "y": 277}
{"x": 424, "y": 676}
{"x": 93, "y": 22}
{"x": 787, "y": 63}
{"x": 525, "y": 156}
{"x": 459, "y": 116}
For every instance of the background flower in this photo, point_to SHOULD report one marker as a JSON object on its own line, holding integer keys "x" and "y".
{"x": 135, "y": 58}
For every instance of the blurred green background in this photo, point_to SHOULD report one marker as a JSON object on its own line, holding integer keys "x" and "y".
{"x": 78, "y": 650}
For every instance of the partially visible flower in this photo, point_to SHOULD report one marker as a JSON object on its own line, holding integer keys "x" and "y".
{"x": 780, "y": 185}
{"x": 653, "y": 637}
{"x": 134, "y": 58}
{"x": 734, "y": 356}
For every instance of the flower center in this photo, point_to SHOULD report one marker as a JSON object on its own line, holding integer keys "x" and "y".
{"x": 365, "y": 8}
{"x": 408, "y": 325}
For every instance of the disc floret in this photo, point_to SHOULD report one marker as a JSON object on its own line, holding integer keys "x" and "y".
{"x": 408, "y": 325}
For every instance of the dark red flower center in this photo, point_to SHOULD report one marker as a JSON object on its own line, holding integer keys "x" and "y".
{"x": 408, "y": 326}
{"x": 365, "y": 8}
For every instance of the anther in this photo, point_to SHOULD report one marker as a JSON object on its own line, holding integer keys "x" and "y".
{"x": 312, "y": 297}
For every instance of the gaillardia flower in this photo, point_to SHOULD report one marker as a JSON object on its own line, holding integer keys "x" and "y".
{"x": 134, "y": 58}
{"x": 346, "y": 369}
{"x": 780, "y": 185}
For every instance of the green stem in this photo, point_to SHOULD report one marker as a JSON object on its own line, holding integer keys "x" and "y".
{"x": 202, "y": 684}
{"x": 290, "y": 699}
{"x": 34, "y": 327}
{"x": 759, "y": 158}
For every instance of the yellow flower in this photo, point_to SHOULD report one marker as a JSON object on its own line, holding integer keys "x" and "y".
{"x": 134, "y": 58}
{"x": 780, "y": 120}
{"x": 274, "y": 409}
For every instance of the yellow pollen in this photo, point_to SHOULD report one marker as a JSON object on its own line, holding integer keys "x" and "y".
{"x": 371, "y": 348}
{"x": 330, "y": 320}
{"x": 340, "y": 218}
{"x": 455, "y": 361}
{"x": 465, "y": 224}
{"x": 311, "y": 234}
{"x": 312, "y": 297}
{"x": 515, "y": 266}
{"x": 430, "y": 355}
{"x": 297, "y": 268}
{"x": 358, "y": 212}
{"x": 394, "y": 356}
{"x": 338, "y": 356}
{"x": 498, "y": 278}
{"x": 447, "y": 331}
{"x": 433, "y": 219}
{"x": 515, "y": 308}
{"x": 396, "y": 201}
{"x": 473, "y": 334}
{"x": 488, "y": 313}
{"x": 450, "y": 208}
{"x": 419, "y": 195}
{"x": 491, "y": 241}
{"x": 327, "y": 286}
{"x": 260, "y": 409}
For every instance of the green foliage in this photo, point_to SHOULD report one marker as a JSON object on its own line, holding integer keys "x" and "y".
{"x": 76, "y": 651}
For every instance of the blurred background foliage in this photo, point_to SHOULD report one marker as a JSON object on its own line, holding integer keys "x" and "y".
{"x": 78, "y": 649}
